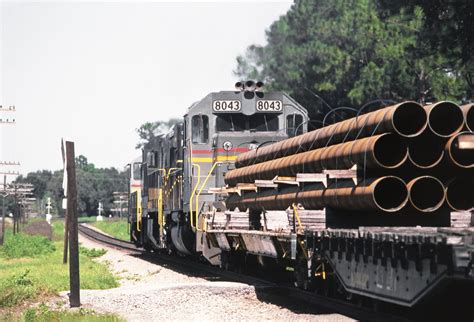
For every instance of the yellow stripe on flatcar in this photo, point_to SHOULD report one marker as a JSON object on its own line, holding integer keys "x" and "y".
{"x": 211, "y": 160}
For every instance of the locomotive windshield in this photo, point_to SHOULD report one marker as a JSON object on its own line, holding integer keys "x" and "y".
{"x": 238, "y": 122}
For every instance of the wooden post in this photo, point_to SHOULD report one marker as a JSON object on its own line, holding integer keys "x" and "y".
{"x": 3, "y": 208}
{"x": 66, "y": 236}
{"x": 74, "y": 297}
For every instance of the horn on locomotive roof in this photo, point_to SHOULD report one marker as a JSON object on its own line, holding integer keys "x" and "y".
{"x": 250, "y": 85}
{"x": 259, "y": 86}
{"x": 239, "y": 86}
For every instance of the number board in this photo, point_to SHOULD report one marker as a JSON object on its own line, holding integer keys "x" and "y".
{"x": 226, "y": 106}
{"x": 269, "y": 106}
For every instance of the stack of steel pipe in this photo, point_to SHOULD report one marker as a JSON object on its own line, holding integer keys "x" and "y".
{"x": 430, "y": 147}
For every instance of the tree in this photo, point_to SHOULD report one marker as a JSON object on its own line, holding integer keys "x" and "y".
{"x": 149, "y": 130}
{"x": 346, "y": 53}
{"x": 93, "y": 185}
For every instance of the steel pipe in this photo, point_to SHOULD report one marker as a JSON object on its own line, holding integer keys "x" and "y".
{"x": 426, "y": 193}
{"x": 426, "y": 150}
{"x": 386, "y": 151}
{"x": 468, "y": 111}
{"x": 406, "y": 119}
{"x": 387, "y": 194}
{"x": 460, "y": 194}
{"x": 460, "y": 150}
{"x": 445, "y": 118}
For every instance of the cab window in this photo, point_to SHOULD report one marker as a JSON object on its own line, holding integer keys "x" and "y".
{"x": 263, "y": 122}
{"x": 293, "y": 123}
{"x": 231, "y": 122}
{"x": 200, "y": 129}
{"x": 137, "y": 171}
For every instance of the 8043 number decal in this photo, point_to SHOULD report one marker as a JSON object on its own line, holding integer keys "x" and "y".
{"x": 226, "y": 106}
{"x": 270, "y": 106}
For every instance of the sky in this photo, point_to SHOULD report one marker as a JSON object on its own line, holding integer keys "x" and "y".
{"x": 93, "y": 72}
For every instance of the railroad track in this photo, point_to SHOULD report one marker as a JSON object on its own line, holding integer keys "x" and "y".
{"x": 107, "y": 240}
{"x": 284, "y": 292}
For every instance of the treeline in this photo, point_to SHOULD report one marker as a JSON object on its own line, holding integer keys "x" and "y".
{"x": 346, "y": 53}
{"x": 93, "y": 185}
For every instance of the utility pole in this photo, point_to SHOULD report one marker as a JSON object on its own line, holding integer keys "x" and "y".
{"x": 2, "y": 238}
{"x": 74, "y": 297}
{"x": 8, "y": 121}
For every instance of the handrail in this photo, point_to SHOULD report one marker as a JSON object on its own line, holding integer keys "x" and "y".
{"x": 295, "y": 213}
{"x": 160, "y": 214}
{"x": 192, "y": 195}
{"x": 200, "y": 190}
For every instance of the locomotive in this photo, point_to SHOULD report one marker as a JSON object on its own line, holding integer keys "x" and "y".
{"x": 180, "y": 203}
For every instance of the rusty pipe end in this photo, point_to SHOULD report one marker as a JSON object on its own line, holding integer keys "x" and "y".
{"x": 445, "y": 118}
{"x": 460, "y": 194}
{"x": 390, "y": 193}
{"x": 426, "y": 193}
{"x": 390, "y": 151}
{"x": 409, "y": 119}
{"x": 426, "y": 150}
{"x": 468, "y": 111}
{"x": 460, "y": 150}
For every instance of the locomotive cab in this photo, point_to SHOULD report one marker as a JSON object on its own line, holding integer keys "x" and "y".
{"x": 182, "y": 168}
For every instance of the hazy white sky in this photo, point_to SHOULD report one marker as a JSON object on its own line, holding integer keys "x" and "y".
{"x": 94, "y": 71}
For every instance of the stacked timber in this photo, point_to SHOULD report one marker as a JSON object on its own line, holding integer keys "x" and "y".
{"x": 410, "y": 159}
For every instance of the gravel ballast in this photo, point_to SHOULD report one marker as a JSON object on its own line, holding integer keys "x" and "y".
{"x": 150, "y": 292}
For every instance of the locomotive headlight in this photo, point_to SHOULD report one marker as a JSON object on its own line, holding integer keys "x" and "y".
{"x": 227, "y": 146}
{"x": 253, "y": 146}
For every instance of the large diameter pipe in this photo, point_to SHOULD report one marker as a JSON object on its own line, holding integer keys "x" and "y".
{"x": 445, "y": 118}
{"x": 387, "y": 194}
{"x": 426, "y": 193}
{"x": 460, "y": 194}
{"x": 426, "y": 150}
{"x": 386, "y": 151}
{"x": 468, "y": 111}
{"x": 406, "y": 119}
{"x": 460, "y": 150}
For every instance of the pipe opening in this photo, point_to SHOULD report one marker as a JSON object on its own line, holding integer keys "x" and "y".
{"x": 470, "y": 118}
{"x": 426, "y": 150}
{"x": 446, "y": 119}
{"x": 409, "y": 119}
{"x": 390, "y": 194}
{"x": 461, "y": 150}
{"x": 460, "y": 194}
{"x": 426, "y": 193}
{"x": 390, "y": 151}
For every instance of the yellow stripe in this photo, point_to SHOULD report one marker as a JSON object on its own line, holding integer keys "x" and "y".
{"x": 201, "y": 160}
{"x": 219, "y": 158}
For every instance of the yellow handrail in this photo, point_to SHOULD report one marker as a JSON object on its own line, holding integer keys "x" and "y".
{"x": 192, "y": 195}
{"x": 200, "y": 190}
{"x": 295, "y": 212}
{"x": 160, "y": 212}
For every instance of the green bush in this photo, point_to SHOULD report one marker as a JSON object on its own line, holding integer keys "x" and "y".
{"x": 16, "y": 289}
{"x": 92, "y": 252}
{"x": 21, "y": 245}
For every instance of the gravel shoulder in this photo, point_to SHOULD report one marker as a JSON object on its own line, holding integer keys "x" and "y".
{"x": 149, "y": 292}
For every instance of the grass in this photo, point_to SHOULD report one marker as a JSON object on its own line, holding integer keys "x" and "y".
{"x": 21, "y": 245}
{"x": 117, "y": 228}
{"x": 25, "y": 276}
{"x": 43, "y": 313}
